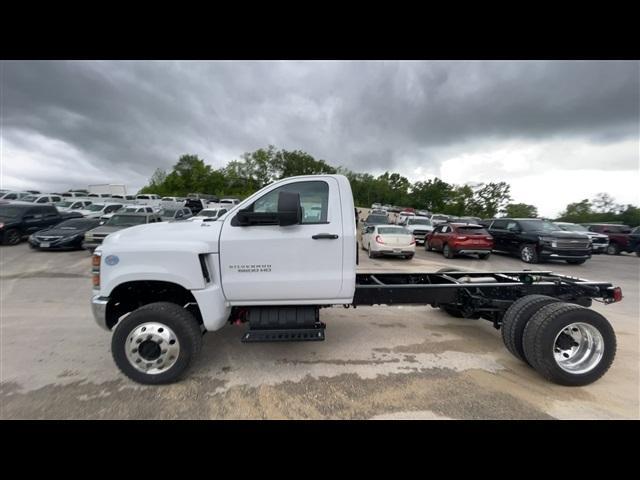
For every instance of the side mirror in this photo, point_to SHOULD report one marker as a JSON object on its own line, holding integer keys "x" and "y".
{"x": 289, "y": 209}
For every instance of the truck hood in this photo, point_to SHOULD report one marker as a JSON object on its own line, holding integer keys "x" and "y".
{"x": 168, "y": 232}
{"x": 561, "y": 234}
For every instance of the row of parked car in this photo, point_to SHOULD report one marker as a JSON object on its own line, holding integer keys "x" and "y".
{"x": 49, "y": 227}
{"x": 531, "y": 239}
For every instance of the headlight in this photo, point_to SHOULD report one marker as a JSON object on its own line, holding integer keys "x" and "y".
{"x": 69, "y": 239}
{"x": 547, "y": 239}
{"x": 1, "y": 225}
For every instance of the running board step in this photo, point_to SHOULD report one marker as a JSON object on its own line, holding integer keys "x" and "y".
{"x": 291, "y": 335}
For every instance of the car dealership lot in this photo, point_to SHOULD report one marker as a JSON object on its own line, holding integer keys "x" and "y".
{"x": 393, "y": 362}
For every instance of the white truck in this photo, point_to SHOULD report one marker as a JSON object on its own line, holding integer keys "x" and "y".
{"x": 269, "y": 264}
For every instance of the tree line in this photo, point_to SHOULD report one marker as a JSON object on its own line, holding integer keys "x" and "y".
{"x": 254, "y": 170}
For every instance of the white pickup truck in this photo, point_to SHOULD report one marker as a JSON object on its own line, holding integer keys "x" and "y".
{"x": 290, "y": 249}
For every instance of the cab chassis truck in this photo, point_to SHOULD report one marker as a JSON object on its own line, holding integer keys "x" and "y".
{"x": 269, "y": 264}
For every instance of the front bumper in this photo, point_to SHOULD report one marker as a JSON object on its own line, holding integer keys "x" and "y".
{"x": 99, "y": 310}
{"x": 599, "y": 247}
{"x": 551, "y": 254}
{"x": 55, "y": 245}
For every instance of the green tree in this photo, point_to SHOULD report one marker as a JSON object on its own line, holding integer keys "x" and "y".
{"x": 578, "y": 212}
{"x": 520, "y": 210}
{"x": 432, "y": 195}
{"x": 490, "y": 198}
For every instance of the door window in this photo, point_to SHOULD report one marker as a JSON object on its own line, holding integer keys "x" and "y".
{"x": 314, "y": 199}
{"x": 499, "y": 225}
{"x": 43, "y": 200}
{"x": 513, "y": 226}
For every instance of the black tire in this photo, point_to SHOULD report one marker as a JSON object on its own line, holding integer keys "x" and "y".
{"x": 427, "y": 246}
{"x": 11, "y": 237}
{"x": 515, "y": 320}
{"x": 369, "y": 252}
{"x": 529, "y": 254}
{"x": 547, "y": 324}
{"x": 613, "y": 249}
{"x": 184, "y": 325}
{"x": 409, "y": 257}
{"x": 484, "y": 256}
{"x": 447, "y": 251}
{"x": 575, "y": 262}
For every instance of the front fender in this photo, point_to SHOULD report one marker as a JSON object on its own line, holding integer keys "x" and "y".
{"x": 159, "y": 261}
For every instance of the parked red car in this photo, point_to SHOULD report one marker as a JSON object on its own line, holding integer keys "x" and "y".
{"x": 460, "y": 238}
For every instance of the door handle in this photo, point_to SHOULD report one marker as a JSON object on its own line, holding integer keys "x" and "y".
{"x": 325, "y": 236}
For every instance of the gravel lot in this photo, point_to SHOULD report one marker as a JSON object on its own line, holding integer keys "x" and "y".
{"x": 377, "y": 362}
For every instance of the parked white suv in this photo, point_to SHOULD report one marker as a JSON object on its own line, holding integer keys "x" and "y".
{"x": 41, "y": 199}
{"x": 127, "y": 209}
{"x": 69, "y": 204}
{"x": 12, "y": 196}
{"x": 96, "y": 210}
{"x": 420, "y": 227}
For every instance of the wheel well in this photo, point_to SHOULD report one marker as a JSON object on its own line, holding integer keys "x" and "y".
{"x": 129, "y": 296}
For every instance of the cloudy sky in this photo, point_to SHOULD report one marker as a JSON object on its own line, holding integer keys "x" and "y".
{"x": 557, "y": 131}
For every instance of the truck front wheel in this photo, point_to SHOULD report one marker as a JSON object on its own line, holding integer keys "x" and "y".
{"x": 569, "y": 344}
{"x": 156, "y": 343}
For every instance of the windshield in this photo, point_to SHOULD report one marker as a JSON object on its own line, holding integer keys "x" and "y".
{"x": 96, "y": 207}
{"x": 472, "y": 231}
{"x": 393, "y": 231}
{"x": 129, "y": 209}
{"x": 29, "y": 198}
{"x": 418, "y": 221}
{"x": 126, "y": 220}
{"x": 167, "y": 212}
{"x": 377, "y": 219}
{"x": 65, "y": 204}
{"x": 572, "y": 227}
{"x": 439, "y": 217}
{"x": 538, "y": 226}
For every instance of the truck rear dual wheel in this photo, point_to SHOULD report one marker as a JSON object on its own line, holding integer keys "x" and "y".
{"x": 516, "y": 318}
{"x": 569, "y": 344}
{"x": 156, "y": 343}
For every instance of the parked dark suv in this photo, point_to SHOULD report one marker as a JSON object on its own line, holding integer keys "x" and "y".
{"x": 634, "y": 242}
{"x": 20, "y": 220}
{"x": 535, "y": 240}
{"x": 619, "y": 238}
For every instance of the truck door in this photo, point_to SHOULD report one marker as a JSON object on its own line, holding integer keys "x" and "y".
{"x": 286, "y": 263}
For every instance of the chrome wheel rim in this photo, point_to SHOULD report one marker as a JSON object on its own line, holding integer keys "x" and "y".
{"x": 152, "y": 348}
{"x": 527, "y": 254}
{"x": 578, "y": 348}
{"x": 611, "y": 250}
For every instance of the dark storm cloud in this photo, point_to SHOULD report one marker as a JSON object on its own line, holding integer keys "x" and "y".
{"x": 367, "y": 116}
